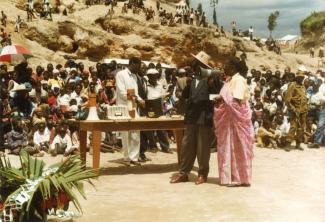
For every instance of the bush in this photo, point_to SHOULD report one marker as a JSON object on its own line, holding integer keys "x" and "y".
{"x": 313, "y": 24}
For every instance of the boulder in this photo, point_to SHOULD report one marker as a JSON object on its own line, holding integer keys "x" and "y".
{"x": 95, "y": 48}
{"x": 45, "y": 35}
{"x": 117, "y": 26}
{"x": 67, "y": 44}
{"x": 130, "y": 52}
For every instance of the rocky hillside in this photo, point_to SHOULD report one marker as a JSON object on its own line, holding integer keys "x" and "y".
{"x": 313, "y": 30}
{"x": 89, "y": 35}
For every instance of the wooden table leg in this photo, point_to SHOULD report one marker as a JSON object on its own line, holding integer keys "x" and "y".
{"x": 83, "y": 145}
{"x": 179, "y": 138}
{"x": 96, "y": 149}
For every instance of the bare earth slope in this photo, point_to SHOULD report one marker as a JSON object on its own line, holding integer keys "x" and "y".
{"x": 88, "y": 35}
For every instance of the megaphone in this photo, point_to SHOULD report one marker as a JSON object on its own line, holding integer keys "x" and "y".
{"x": 208, "y": 72}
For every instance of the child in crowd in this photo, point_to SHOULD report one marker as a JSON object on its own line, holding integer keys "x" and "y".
{"x": 266, "y": 136}
{"x": 41, "y": 138}
{"x": 62, "y": 143}
{"x": 18, "y": 140}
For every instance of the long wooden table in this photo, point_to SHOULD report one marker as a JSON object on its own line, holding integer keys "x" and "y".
{"x": 141, "y": 124}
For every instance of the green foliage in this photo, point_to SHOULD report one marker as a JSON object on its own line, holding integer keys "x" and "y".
{"x": 214, "y": 3}
{"x": 272, "y": 23}
{"x": 313, "y": 24}
{"x": 188, "y": 3}
{"x": 65, "y": 177}
{"x": 200, "y": 8}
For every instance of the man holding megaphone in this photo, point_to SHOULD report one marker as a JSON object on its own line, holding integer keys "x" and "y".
{"x": 198, "y": 119}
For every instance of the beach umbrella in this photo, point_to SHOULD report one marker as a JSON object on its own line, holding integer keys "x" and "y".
{"x": 14, "y": 54}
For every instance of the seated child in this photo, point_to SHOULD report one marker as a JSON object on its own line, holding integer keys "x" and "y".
{"x": 62, "y": 143}
{"x": 41, "y": 137}
{"x": 18, "y": 140}
{"x": 265, "y": 135}
{"x": 282, "y": 129}
{"x": 310, "y": 131}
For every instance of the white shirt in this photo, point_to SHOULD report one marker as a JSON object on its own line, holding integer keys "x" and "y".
{"x": 155, "y": 92}
{"x": 250, "y": 30}
{"x": 125, "y": 80}
{"x": 41, "y": 137}
{"x": 321, "y": 93}
{"x": 64, "y": 100}
{"x": 77, "y": 97}
{"x": 65, "y": 140}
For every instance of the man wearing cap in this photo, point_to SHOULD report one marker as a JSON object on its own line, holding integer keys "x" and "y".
{"x": 20, "y": 103}
{"x": 155, "y": 94}
{"x": 198, "y": 121}
{"x": 297, "y": 103}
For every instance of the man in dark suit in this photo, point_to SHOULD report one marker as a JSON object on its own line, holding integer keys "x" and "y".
{"x": 198, "y": 120}
{"x": 145, "y": 136}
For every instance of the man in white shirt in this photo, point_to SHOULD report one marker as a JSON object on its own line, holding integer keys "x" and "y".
{"x": 251, "y": 31}
{"x": 156, "y": 92}
{"x": 126, "y": 80}
{"x": 319, "y": 134}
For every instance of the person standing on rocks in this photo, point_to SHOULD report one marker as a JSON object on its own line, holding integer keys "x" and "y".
{"x": 251, "y": 32}
{"x": 3, "y": 19}
{"x": 18, "y": 23}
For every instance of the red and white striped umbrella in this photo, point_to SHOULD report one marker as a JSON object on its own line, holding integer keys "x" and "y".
{"x": 14, "y": 54}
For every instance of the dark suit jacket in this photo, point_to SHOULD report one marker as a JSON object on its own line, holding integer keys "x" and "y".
{"x": 199, "y": 110}
{"x": 142, "y": 91}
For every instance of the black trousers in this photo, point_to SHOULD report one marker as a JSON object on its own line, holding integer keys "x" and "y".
{"x": 196, "y": 144}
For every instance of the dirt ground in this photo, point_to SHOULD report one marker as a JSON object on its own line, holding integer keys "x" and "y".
{"x": 286, "y": 186}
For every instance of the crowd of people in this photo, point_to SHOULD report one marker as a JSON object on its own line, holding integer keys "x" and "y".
{"x": 38, "y": 106}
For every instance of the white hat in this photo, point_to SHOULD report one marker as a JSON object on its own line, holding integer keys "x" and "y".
{"x": 152, "y": 72}
{"x": 44, "y": 82}
{"x": 181, "y": 71}
{"x": 203, "y": 57}
{"x": 55, "y": 86}
{"x": 73, "y": 69}
{"x": 56, "y": 71}
{"x": 21, "y": 87}
{"x": 302, "y": 68}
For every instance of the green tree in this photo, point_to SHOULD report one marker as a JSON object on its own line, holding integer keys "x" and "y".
{"x": 200, "y": 8}
{"x": 272, "y": 23}
{"x": 188, "y": 3}
{"x": 214, "y": 4}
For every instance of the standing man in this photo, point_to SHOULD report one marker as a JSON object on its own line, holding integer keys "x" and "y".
{"x": 251, "y": 32}
{"x": 198, "y": 121}
{"x": 297, "y": 103}
{"x": 319, "y": 134}
{"x": 3, "y": 19}
{"x": 126, "y": 80}
{"x": 144, "y": 135}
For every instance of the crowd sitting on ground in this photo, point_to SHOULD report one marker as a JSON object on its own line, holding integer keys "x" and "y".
{"x": 39, "y": 108}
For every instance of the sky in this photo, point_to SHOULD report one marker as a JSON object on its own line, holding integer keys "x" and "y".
{"x": 256, "y": 12}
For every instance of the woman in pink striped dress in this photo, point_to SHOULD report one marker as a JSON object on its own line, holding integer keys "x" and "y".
{"x": 234, "y": 129}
